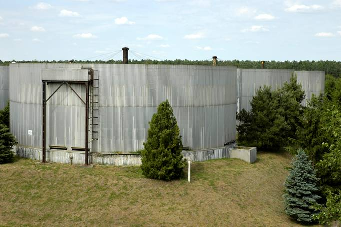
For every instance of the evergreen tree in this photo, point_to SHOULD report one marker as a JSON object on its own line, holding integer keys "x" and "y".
{"x": 161, "y": 157}
{"x": 301, "y": 190}
{"x": 7, "y": 141}
{"x": 274, "y": 117}
{"x": 4, "y": 115}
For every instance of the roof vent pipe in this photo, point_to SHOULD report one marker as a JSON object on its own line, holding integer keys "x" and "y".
{"x": 125, "y": 55}
{"x": 214, "y": 60}
{"x": 263, "y": 64}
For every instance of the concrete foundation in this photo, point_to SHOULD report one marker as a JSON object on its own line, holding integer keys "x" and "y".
{"x": 133, "y": 159}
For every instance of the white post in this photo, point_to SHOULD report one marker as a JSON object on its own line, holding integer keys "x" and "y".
{"x": 189, "y": 171}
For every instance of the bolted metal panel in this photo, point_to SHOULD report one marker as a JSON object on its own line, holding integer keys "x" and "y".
{"x": 4, "y": 85}
{"x": 203, "y": 99}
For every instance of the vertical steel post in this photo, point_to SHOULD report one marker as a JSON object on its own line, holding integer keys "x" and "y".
{"x": 44, "y": 122}
{"x": 87, "y": 124}
{"x": 125, "y": 55}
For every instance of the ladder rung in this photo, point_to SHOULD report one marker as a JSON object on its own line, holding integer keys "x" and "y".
{"x": 93, "y": 124}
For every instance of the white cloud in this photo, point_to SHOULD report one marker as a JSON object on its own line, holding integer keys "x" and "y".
{"x": 324, "y": 34}
{"x": 201, "y": 3}
{"x": 246, "y": 11}
{"x": 4, "y": 35}
{"x": 297, "y": 8}
{"x": 339, "y": 32}
{"x": 194, "y": 36}
{"x": 337, "y": 3}
{"x": 123, "y": 20}
{"x": 85, "y": 36}
{"x": 164, "y": 45}
{"x": 37, "y": 29}
{"x": 256, "y": 28}
{"x": 207, "y": 48}
{"x": 264, "y": 17}
{"x": 67, "y": 13}
{"x": 42, "y": 6}
{"x": 151, "y": 37}
{"x": 1, "y": 18}
{"x": 36, "y": 40}
{"x": 17, "y": 40}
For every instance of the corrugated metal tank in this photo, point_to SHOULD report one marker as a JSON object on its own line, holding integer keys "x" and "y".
{"x": 4, "y": 85}
{"x": 313, "y": 82}
{"x": 250, "y": 80}
{"x": 203, "y": 99}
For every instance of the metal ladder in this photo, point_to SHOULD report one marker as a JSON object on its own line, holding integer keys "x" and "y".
{"x": 94, "y": 111}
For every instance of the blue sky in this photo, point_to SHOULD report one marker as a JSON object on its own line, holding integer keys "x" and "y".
{"x": 171, "y": 29}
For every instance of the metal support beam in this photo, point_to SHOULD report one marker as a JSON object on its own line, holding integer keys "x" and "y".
{"x": 87, "y": 125}
{"x": 76, "y": 92}
{"x": 86, "y": 83}
{"x": 44, "y": 122}
{"x": 54, "y": 92}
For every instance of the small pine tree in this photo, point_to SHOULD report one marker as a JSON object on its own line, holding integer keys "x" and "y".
{"x": 161, "y": 157}
{"x": 7, "y": 141}
{"x": 301, "y": 190}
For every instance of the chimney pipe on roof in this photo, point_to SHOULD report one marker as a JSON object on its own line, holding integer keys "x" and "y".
{"x": 263, "y": 64}
{"x": 214, "y": 60}
{"x": 125, "y": 55}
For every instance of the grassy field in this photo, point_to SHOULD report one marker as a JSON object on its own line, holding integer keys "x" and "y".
{"x": 224, "y": 192}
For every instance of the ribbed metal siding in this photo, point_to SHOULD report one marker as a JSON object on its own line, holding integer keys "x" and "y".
{"x": 4, "y": 85}
{"x": 250, "y": 80}
{"x": 313, "y": 82}
{"x": 203, "y": 99}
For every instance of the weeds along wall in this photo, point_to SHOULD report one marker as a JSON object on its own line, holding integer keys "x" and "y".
{"x": 250, "y": 80}
{"x": 4, "y": 85}
{"x": 203, "y": 99}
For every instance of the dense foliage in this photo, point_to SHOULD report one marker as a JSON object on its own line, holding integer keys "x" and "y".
{"x": 331, "y": 211}
{"x": 162, "y": 158}
{"x": 7, "y": 141}
{"x": 330, "y": 67}
{"x": 4, "y": 116}
{"x": 274, "y": 117}
{"x": 319, "y": 134}
{"x": 301, "y": 189}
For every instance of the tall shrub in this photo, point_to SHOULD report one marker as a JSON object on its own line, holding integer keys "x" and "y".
{"x": 161, "y": 157}
{"x": 274, "y": 117}
{"x": 301, "y": 190}
{"x": 7, "y": 141}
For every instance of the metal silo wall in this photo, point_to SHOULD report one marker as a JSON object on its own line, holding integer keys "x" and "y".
{"x": 203, "y": 99}
{"x": 65, "y": 112}
{"x": 4, "y": 86}
{"x": 250, "y": 80}
{"x": 312, "y": 82}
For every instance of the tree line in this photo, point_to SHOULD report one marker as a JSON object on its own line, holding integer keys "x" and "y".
{"x": 330, "y": 67}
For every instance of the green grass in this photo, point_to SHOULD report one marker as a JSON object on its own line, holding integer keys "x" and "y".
{"x": 225, "y": 192}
